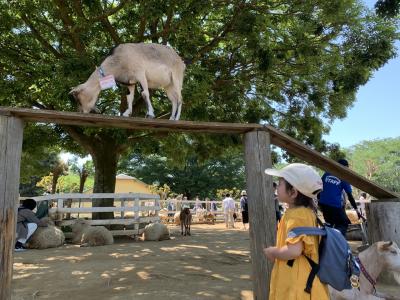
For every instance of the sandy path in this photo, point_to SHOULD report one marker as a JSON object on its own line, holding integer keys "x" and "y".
{"x": 211, "y": 264}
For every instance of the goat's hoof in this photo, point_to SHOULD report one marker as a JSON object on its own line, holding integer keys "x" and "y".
{"x": 95, "y": 111}
{"x": 150, "y": 116}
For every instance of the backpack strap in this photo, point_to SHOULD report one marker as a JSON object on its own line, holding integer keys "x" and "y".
{"x": 316, "y": 231}
{"x": 311, "y": 276}
{"x": 307, "y": 231}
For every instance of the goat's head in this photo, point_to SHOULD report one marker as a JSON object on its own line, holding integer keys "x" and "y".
{"x": 79, "y": 225}
{"x": 389, "y": 256}
{"x": 86, "y": 95}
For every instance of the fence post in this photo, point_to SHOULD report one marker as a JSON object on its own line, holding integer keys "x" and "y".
{"x": 60, "y": 215}
{"x": 136, "y": 210}
{"x": 261, "y": 208}
{"x": 11, "y": 134}
{"x": 123, "y": 205}
{"x": 157, "y": 204}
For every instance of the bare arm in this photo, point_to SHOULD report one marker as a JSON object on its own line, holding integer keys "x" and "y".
{"x": 288, "y": 252}
{"x": 351, "y": 200}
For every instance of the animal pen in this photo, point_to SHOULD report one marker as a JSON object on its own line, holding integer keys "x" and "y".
{"x": 257, "y": 140}
{"x": 131, "y": 208}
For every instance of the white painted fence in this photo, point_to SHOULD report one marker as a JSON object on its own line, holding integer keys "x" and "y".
{"x": 130, "y": 209}
{"x": 194, "y": 204}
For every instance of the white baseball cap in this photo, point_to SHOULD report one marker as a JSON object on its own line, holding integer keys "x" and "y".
{"x": 303, "y": 177}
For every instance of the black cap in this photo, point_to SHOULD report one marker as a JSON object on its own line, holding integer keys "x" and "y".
{"x": 343, "y": 162}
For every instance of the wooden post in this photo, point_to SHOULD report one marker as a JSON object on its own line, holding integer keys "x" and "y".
{"x": 123, "y": 211}
{"x": 11, "y": 134}
{"x": 384, "y": 225}
{"x": 137, "y": 218}
{"x": 157, "y": 204}
{"x": 60, "y": 215}
{"x": 262, "y": 216}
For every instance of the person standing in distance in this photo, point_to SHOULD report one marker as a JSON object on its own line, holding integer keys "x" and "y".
{"x": 331, "y": 200}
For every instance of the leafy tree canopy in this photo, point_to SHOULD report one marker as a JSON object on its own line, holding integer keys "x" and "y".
{"x": 193, "y": 178}
{"x": 378, "y": 160}
{"x": 294, "y": 64}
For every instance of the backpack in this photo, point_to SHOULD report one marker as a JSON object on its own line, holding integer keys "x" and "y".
{"x": 337, "y": 266}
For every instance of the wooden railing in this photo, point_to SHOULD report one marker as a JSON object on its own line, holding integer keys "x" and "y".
{"x": 194, "y": 208}
{"x": 130, "y": 210}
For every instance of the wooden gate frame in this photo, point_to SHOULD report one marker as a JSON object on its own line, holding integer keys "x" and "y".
{"x": 257, "y": 140}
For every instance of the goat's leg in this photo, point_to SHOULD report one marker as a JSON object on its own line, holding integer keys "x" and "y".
{"x": 181, "y": 227}
{"x": 173, "y": 97}
{"x": 146, "y": 96}
{"x": 179, "y": 103}
{"x": 129, "y": 99}
{"x": 178, "y": 112}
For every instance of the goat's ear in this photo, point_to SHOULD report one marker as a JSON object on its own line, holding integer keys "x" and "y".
{"x": 386, "y": 245}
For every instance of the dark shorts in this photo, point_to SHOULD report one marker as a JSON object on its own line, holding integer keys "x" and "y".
{"x": 245, "y": 217}
{"x": 336, "y": 217}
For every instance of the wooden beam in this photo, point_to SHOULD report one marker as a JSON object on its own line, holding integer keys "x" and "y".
{"x": 315, "y": 158}
{"x": 11, "y": 132}
{"x": 261, "y": 208}
{"x": 97, "y": 120}
{"x": 278, "y": 138}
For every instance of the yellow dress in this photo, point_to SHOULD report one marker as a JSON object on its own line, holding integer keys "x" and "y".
{"x": 288, "y": 283}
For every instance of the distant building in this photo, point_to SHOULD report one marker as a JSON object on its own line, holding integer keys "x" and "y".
{"x": 128, "y": 184}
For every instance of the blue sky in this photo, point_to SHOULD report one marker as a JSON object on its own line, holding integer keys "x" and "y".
{"x": 376, "y": 112}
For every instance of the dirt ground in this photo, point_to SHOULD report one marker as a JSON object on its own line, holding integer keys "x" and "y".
{"x": 213, "y": 263}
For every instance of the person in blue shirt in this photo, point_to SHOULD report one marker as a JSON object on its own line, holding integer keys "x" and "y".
{"x": 331, "y": 200}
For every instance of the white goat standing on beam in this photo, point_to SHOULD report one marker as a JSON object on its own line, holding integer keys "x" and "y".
{"x": 154, "y": 66}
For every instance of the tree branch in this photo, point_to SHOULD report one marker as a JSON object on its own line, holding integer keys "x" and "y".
{"x": 39, "y": 37}
{"x": 78, "y": 8}
{"x": 142, "y": 28}
{"x": 167, "y": 27}
{"x": 111, "y": 30}
{"x": 70, "y": 26}
{"x": 82, "y": 139}
{"x": 227, "y": 28}
{"x": 110, "y": 12}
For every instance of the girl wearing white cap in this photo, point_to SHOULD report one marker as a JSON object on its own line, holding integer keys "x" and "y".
{"x": 298, "y": 185}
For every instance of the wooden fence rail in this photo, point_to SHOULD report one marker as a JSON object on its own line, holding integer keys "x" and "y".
{"x": 140, "y": 214}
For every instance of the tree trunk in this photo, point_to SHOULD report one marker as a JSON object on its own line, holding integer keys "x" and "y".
{"x": 54, "y": 183}
{"x": 82, "y": 179}
{"x": 105, "y": 159}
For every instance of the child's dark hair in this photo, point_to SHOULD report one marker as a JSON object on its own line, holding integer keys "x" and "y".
{"x": 29, "y": 203}
{"x": 301, "y": 200}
